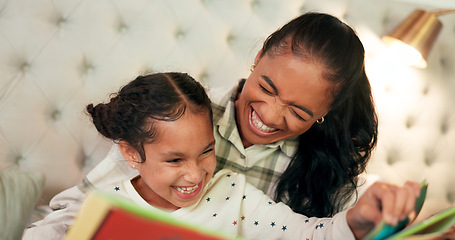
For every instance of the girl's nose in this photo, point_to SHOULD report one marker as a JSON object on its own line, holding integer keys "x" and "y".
{"x": 193, "y": 172}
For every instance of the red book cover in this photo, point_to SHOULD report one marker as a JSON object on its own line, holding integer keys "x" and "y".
{"x": 105, "y": 216}
{"x": 120, "y": 224}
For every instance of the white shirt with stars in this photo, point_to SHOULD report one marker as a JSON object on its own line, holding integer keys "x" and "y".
{"x": 231, "y": 205}
{"x": 228, "y": 204}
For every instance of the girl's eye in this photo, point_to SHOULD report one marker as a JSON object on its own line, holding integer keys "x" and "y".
{"x": 297, "y": 115}
{"x": 174, "y": 160}
{"x": 265, "y": 90}
{"x": 207, "y": 151}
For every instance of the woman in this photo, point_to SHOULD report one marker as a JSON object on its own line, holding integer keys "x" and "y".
{"x": 302, "y": 126}
{"x": 308, "y": 96}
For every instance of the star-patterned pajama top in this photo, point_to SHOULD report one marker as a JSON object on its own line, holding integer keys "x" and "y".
{"x": 228, "y": 204}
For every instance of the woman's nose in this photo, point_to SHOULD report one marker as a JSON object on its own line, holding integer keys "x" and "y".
{"x": 274, "y": 116}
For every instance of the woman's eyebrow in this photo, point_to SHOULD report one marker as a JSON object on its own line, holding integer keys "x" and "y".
{"x": 270, "y": 82}
{"x": 272, "y": 85}
{"x": 308, "y": 111}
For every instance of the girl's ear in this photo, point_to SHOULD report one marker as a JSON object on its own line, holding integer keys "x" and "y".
{"x": 129, "y": 153}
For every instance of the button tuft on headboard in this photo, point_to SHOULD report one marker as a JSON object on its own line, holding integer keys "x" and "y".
{"x": 86, "y": 67}
{"x": 24, "y": 66}
{"x": 179, "y": 34}
{"x": 255, "y": 4}
{"x": 203, "y": 76}
{"x": 444, "y": 126}
{"x": 122, "y": 28}
{"x": 18, "y": 160}
{"x": 410, "y": 122}
{"x": 430, "y": 157}
{"x": 425, "y": 89}
{"x": 451, "y": 196}
{"x": 56, "y": 115}
{"x": 393, "y": 156}
{"x": 61, "y": 21}
{"x": 303, "y": 9}
{"x": 230, "y": 39}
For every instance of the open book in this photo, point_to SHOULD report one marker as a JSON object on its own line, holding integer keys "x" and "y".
{"x": 430, "y": 228}
{"x": 106, "y": 216}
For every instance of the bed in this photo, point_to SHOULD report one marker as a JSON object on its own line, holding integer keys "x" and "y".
{"x": 58, "y": 56}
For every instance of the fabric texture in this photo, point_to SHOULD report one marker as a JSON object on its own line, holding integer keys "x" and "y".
{"x": 228, "y": 204}
{"x": 19, "y": 193}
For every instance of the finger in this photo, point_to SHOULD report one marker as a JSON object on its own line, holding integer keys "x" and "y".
{"x": 401, "y": 202}
{"x": 368, "y": 208}
{"x": 413, "y": 189}
{"x": 415, "y": 186}
{"x": 386, "y": 197}
{"x": 405, "y": 198}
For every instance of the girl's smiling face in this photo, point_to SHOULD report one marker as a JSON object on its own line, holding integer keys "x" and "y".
{"x": 179, "y": 162}
{"x": 281, "y": 99}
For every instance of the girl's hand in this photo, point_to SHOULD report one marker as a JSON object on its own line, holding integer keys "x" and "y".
{"x": 382, "y": 201}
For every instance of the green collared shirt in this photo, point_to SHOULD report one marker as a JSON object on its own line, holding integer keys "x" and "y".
{"x": 261, "y": 164}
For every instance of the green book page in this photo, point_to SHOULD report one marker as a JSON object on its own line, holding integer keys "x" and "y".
{"x": 431, "y": 227}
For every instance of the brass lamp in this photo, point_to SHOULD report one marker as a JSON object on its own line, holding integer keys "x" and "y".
{"x": 414, "y": 37}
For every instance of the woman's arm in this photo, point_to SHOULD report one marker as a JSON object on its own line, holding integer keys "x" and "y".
{"x": 65, "y": 206}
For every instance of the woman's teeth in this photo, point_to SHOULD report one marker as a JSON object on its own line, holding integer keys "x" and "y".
{"x": 259, "y": 124}
{"x": 187, "y": 190}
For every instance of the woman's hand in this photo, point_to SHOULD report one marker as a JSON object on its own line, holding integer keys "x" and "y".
{"x": 382, "y": 201}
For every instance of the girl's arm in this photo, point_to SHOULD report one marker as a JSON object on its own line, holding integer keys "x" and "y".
{"x": 265, "y": 219}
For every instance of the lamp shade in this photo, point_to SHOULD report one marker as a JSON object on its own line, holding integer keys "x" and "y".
{"x": 416, "y": 35}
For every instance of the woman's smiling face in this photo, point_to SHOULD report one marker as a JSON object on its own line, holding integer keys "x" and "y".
{"x": 179, "y": 162}
{"x": 281, "y": 99}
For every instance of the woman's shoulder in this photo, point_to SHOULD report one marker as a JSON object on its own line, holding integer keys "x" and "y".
{"x": 217, "y": 94}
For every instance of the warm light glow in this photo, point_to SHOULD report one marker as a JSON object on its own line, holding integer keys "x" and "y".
{"x": 404, "y": 53}
{"x": 412, "y": 40}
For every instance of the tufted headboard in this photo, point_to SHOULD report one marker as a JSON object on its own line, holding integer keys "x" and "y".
{"x": 58, "y": 56}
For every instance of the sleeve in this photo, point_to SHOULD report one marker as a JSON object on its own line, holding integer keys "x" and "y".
{"x": 65, "y": 206}
{"x": 270, "y": 220}
{"x": 113, "y": 168}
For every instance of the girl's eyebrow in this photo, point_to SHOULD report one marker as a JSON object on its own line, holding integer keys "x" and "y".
{"x": 272, "y": 85}
{"x": 179, "y": 154}
{"x": 211, "y": 144}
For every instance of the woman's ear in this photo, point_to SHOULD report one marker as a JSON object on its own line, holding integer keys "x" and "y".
{"x": 129, "y": 153}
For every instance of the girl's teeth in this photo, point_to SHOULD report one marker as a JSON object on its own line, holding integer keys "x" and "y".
{"x": 259, "y": 125}
{"x": 187, "y": 190}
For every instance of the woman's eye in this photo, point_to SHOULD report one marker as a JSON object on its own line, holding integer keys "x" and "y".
{"x": 265, "y": 90}
{"x": 297, "y": 115}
